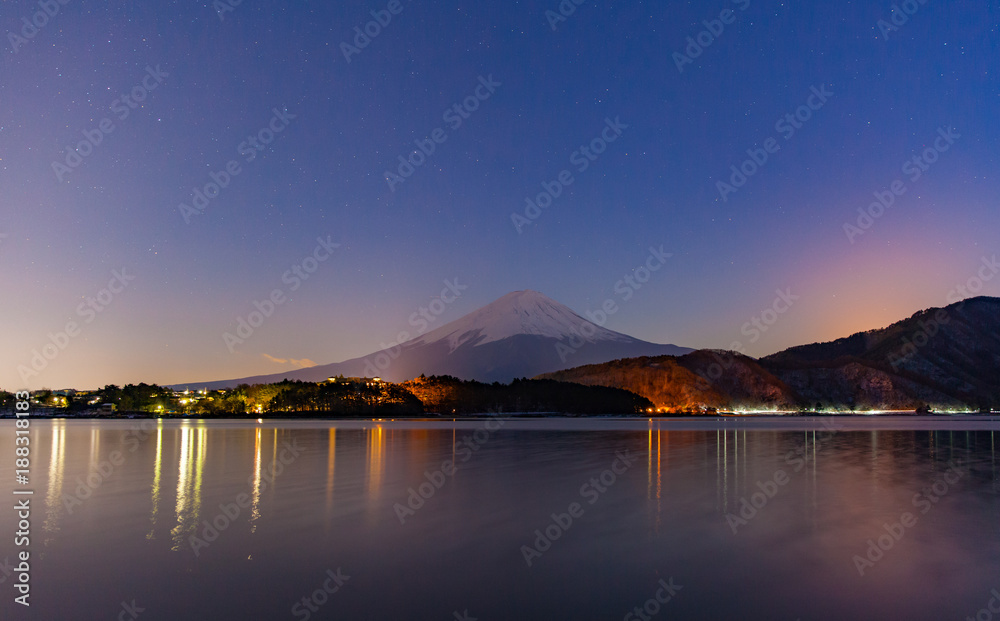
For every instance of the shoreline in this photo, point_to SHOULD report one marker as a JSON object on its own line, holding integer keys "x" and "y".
{"x": 432, "y": 417}
{"x": 562, "y": 424}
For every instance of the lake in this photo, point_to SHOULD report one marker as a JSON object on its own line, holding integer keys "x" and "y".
{"x": 717, "y": 518}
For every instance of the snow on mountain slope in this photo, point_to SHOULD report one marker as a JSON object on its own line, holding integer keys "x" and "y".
{"x": 518, "y": 313}
{"x": 522, "y": 334}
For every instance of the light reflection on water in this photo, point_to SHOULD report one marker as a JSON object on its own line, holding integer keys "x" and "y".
{"x": 376, "y": 457}
{"x": 190, "y": 470}
{"x": 157, "y": 475}
{"x": 331, "y": 466}
{"x": 53, "y": 499}
{"x": 335, "y": 505}
{"x": 255, "y": 493}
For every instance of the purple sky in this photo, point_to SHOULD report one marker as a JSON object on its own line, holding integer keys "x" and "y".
{"x": 489, "y": 102}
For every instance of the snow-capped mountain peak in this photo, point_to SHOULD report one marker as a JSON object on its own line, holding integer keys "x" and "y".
{"x": 518, "y": 313}
{"x": 515, "y": 336}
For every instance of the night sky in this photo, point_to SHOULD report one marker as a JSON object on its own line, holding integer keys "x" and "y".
{"x": 531, "y": 90}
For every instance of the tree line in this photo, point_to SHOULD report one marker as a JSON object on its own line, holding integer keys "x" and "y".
{"x": 364, "y": 398}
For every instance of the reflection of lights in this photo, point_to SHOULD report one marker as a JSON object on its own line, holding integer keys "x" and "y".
{"x": 274, "y": 460}
{"x": 182, "y": 483}
{"x": 718, "y": 469}
{"x": 376, "y": 452}
{"x": 656, "y": 450}
{"x": 56, "y": 464}
{"x": 157, "y": 468}
{"x": 736, "y": 459}
{"x": 745, "y": 469}
{"x": 725, "y": 470}
{"x": 189, "y": 472}
{"x": 255, "y": 494}
{"x": 649, "y": 461}
{"x": 95, "y": 446}
{"x": 659, "y": 462}
{"x": 331, "y": 463}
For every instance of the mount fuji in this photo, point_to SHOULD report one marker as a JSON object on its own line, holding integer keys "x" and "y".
{"x": 522, "y": 334}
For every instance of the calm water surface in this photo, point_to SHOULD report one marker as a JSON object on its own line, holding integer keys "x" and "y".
{"x": 757, "y": 519}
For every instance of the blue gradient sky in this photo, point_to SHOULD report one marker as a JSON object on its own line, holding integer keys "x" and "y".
{"x": 324, "y": 174}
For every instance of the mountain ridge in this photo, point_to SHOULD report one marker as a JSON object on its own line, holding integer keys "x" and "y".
{"x": 940, "y": 358}
{"x": 521, "y": 334}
